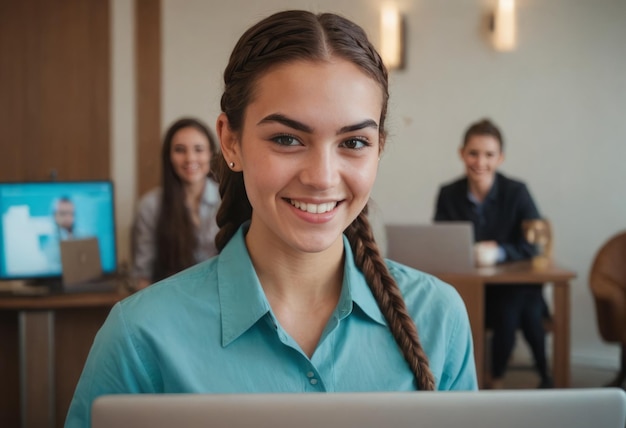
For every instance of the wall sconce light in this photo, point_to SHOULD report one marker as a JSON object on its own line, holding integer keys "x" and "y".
{"x": 392, "y": 37}
{"x": 503, "y": 26}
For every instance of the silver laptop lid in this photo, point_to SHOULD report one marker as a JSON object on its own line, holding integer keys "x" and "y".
{"x": 572, "y": 408}
{"x": 433, "y": 247}
{"x": 80, "y": 261}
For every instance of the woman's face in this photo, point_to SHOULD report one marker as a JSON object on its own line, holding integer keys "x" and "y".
{"x": 482, "y": 156}
{"x": 190, "y": 155}
{"x": 309, "y": 151}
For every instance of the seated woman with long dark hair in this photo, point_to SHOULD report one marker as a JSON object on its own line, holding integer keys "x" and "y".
{"x": 175, "y": 226}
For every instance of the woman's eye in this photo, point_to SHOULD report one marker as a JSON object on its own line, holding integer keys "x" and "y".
{"x": 286, "y": 140}
{"x": 355, "y": 143}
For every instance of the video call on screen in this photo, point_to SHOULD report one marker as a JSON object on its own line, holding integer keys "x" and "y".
{"x": 35, "y": 217}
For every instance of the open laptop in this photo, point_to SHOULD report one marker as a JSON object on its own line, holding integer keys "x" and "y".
{"x": 82, "y": 267}
{"x": 432, "y": 247}
{"x": 571, "y": 408}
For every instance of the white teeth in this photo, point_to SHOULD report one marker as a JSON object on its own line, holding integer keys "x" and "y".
{"x": 314, "y": 208}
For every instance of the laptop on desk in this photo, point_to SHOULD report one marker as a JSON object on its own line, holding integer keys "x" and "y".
{"x": 82, "y": 268}
{"x": 432, "y": 247}
{"x": 571, "y": 408}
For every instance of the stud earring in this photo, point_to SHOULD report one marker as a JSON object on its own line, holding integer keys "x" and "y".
{"x": 231, "y": 164}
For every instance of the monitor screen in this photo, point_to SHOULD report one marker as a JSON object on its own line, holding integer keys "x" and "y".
{"x": 36, "y": 216}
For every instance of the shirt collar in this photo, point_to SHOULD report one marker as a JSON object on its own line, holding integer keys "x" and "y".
{"x": 355, "y": 288}
{"x": 494, "y": 188}
{"x": 243, "y": 302}
{"x": 242, "y": 299}
{"x": 491, "y": 196}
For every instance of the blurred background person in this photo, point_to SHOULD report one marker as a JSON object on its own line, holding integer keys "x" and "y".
{"x": 64, "y": 217}
{"x": 497, "y": 206}
{"x": 174, "y": 226}
{"x": 64, "y": 228}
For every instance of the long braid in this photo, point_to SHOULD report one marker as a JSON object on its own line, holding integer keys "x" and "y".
{"x": 389, "y": 298}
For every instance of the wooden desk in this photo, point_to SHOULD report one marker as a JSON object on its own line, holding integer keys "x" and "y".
{"x": 44, "y": 342}
{"x": 471, "y": 285}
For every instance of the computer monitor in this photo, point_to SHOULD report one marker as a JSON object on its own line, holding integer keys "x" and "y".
{"x": 36, "y": 216}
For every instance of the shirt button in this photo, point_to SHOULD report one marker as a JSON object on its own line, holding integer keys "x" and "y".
{"x": 313, "y": 381}
{"x": 310, "y": 374}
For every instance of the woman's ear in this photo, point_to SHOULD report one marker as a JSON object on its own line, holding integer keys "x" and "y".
{"x": 229, "y": 142}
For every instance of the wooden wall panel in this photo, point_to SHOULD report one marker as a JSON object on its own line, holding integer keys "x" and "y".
{"x": 12, "y": 89}
{"x": 148, "y": 63}
{"x": 55, "y": 72}
{"x": 54, "y": 115}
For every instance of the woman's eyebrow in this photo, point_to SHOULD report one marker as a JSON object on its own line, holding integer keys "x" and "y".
{"x": 299, "y": 126}
{"x": 368, "y": 123}
{"x": 291, "y": 123}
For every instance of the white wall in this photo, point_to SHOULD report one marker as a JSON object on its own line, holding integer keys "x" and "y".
{"x": 560, "y": 100}
{"x": 123, "y": 133}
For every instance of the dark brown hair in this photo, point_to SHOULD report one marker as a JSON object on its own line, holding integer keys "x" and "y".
{"x": 483, "y": 127}
{"x": 175, "y": 233}
{"x": 299, "y": 35}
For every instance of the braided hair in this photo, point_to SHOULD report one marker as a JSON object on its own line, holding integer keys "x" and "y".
{"x": 300, "y": 35}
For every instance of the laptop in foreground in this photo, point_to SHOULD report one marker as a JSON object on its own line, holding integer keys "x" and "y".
{"x": 572, "y": 408}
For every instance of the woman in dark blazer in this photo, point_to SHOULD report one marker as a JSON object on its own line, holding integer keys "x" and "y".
{"x": 497, "y": 205}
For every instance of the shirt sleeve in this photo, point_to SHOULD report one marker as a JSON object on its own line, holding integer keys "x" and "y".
{"x": 144, "y": 237}
{"x": 441, "y": 211}
{"x": 520, "y": 249}
{"x": 113, "y": 366}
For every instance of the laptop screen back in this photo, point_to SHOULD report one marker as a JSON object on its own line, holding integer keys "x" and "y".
{"x": 80, "y": 260}
{"x": 433, "y": 248}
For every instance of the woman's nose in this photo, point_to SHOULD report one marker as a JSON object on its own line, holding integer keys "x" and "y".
{"x": 321, "y": 169}
{"x": 190, "y": 156}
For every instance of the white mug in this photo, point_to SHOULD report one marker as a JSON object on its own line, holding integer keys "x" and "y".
{"x": 485, "y": 255}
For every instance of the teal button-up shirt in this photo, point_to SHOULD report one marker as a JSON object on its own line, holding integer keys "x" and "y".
{"x": 210, "y": 329}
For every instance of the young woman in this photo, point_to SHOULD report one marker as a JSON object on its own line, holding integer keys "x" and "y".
{"x": 299, "y": 298}
{"x": 497, "y": 205}
{"x": 175, "y": 226}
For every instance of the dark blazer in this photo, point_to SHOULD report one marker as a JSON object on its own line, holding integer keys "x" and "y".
{"x": 500, "y": 219}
